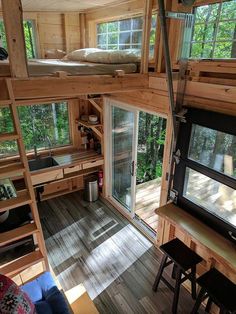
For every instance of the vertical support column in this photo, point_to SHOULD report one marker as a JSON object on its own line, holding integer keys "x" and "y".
{"x": 147, "y": 21}
{"x": 82, "y": 30}
{"x": 67, "y": 32}
{"x": 13, "y": 21}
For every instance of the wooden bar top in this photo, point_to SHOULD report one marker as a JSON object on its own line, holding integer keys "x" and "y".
{"x": 200, "y": 232}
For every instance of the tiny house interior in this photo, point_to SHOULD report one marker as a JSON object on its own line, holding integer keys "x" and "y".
{"x": 118, "y": 154}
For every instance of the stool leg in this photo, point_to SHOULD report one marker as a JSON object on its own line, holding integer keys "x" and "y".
{"x": 159, "y": 274}
{"x": 208, "y": 306}
{"x": 193, "y": 282}
{"x": 178, "y": 274}
{"x": 198, "y": 301}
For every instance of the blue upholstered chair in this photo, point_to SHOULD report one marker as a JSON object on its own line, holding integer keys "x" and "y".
{"x": 45, "y": 295}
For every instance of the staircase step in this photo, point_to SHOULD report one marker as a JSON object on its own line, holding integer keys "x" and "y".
{"x": 8, "y": 137}
{"x": 23, "y": 198}
{"x": 13, "y": 268}
{"x": 11, "y": 170}
{"x": 17, "y": 234}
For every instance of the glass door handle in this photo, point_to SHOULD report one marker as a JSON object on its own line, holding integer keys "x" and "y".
{"x": 132, "y": 168}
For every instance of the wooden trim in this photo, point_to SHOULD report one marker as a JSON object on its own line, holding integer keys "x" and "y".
{"x": 13, "y": 20}
{"x": 82, "y": 31}
{"x": 147, "y": 21}
{"x": 35, "y": 88}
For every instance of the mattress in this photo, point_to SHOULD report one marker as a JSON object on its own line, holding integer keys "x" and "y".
{"x": 47, "y": 67}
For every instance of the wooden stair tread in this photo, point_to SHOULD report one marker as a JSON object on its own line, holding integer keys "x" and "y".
{"x": 23, "y": 198}
{"x": 8, "y": 137}
{"x": 11, "y": 170}
{"x": 15, "y": 267}
{"x": 17, "y": 234}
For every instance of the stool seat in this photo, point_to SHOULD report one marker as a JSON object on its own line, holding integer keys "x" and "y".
{"x": 219, "y": 288}
{"x": 184, "y": 259}
{"x": 182, "y": 255}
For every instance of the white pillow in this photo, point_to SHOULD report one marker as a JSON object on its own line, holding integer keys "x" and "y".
{"x": 80, "y": 54}
{"x": 114, "y": 56}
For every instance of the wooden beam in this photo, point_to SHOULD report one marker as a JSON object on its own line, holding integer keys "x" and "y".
{"x": 82, "y": 30}
{"x": 13, "y": 21}
{"x": 67, "y": 32}
{"x": 147, "y": 22}
{"x": 73, "y": 86}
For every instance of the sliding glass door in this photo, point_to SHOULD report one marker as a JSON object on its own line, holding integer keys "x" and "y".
{"x": 122, "y": 150}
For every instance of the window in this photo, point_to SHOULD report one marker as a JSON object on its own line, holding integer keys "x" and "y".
{"x": 205, "y": 178}
{"x": 29, "y": 32}
{"x": 124, "y": 34}
{"x": 214, "y": 34}
{"x": 38, "y": 123}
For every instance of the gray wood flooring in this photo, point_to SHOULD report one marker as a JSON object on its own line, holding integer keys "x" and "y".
{"x": 93, "y": 244}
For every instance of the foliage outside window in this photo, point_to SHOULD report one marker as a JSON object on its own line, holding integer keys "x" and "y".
{"x": 214, "y": 34}
{"x": 29, "y": 38}
{"x": 39, "y": 124}
{"x": 124, "y": 34}
{"x": 151, "y": 141}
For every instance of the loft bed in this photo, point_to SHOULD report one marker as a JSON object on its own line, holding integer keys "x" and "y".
{"x": 48, "y": 67}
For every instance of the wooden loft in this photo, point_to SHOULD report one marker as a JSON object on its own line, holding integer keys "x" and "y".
{"x": 69, "y": 25}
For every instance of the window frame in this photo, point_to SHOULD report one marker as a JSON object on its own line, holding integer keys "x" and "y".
{"x": 35, "y": 34}
{"x": 119, "y": 18}
{"x": 73, "y": 113}
{"x": 213, "y": 41}
{"x": 212, "y": 120}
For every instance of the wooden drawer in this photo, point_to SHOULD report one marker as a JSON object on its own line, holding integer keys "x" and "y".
{"x": 72, "y": 169}
{"x": 55, "y": 187}
{"x": 47, "y": 176}
{"x": 93, "y": 163}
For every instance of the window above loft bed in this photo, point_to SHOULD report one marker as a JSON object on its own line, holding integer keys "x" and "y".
{"x": 205, "y": 178}
{"x": 124, "y": 34}
{"x": 30, "y": 38}
{"x": 214, "y": 32}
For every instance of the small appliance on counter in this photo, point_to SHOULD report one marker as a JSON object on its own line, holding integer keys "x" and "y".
{"x": 7, "y": 190}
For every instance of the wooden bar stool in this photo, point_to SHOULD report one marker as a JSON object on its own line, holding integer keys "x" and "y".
{"x": 184, "y": 259}
{"x": 219, "y": 290}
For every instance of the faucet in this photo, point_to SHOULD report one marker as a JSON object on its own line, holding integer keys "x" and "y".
{"x": 49, "y": 145}
{"x": 35, "y": 152}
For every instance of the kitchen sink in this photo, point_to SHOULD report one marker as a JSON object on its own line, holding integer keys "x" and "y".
{"x": 41, "y": 163}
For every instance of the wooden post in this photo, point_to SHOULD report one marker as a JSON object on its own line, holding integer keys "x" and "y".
{"x": 82, "y": 30}
{"x": 13, "y": 21}
{"x": 147, "y": 21}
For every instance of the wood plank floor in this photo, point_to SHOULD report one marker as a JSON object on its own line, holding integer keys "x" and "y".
{"x": 147, "y": 200}
{"x": 93, "y": 244}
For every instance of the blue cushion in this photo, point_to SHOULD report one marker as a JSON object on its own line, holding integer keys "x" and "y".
{"x": 46, "y": 296}
{"x": 33, "y": 290}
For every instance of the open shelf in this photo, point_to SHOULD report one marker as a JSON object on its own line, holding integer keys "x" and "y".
{"x": 17, "y": 234}
{"x": 11, "y": 170}
{"x": 23, "y": 198}
{"x": 89, "y": 125}
{"x": 21, "y": 263}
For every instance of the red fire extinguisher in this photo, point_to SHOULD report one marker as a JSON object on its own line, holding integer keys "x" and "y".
{"x": 100, "y": 179}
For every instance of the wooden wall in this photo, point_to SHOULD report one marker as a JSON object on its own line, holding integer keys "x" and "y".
{"x": 55, "y": 31}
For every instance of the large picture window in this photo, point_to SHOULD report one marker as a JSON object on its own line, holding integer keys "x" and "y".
{"x": 42, "y": 126}
{"x": 205, "y": 178}
{"x": 29, "y": 31}
{"x": 124, "y": 34}
{"x": 214, "y": 34}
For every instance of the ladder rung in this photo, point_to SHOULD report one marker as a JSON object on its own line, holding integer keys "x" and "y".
{"x": 15, "y": 267}
{"x": 17, "y": 234}
{"x": 8, "y": 137}
{"x": 4, "y": 103}
{"x": 22, "y": 199}
{"x": 11, "y": 170}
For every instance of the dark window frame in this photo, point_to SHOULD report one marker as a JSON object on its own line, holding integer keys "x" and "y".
{"x": 216, "y": 121}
